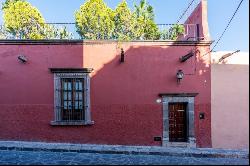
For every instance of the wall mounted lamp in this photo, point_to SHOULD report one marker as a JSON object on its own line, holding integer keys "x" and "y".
{"x": 179, "y": 76}
{"x": 122, "y": 60}
{"x": 22, "y": 59}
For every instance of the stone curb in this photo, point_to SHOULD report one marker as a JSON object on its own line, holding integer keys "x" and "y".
{"x": 120, "y": 149}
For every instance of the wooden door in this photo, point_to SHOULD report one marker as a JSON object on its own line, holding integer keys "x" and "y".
{"x": 177, "y": 122}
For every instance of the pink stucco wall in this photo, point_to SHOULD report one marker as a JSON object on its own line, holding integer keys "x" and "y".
{"x": 28, "y": 83}
{"x": 123, "y": 96}
{"x": 130, "y": 90}
{"x": 200, "y": 17}
{"x": 230, "y": 104}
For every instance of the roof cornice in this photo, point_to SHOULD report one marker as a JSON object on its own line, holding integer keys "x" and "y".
{"x": 92, "y": 42}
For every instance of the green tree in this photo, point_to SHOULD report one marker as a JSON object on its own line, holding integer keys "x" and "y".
{"x": 3, "y": 33}
{"x": 125, "y": 22}
{"x": 173, "y": 32}
{"x": 7, "y": 3}
{"x": 146, "y": 28}
{"x": 52, "y": 32}
{"x": 176, "y": 30}
{"x": 95, "y": 20}
{"x": 23, "y": 21}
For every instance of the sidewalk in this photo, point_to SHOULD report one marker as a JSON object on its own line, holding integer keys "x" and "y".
{"x": 120, "y": 149}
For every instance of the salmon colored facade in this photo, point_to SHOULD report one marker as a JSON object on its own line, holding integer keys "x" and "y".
{"x": 122, "y": 95}
{"x": 230, "y": 121}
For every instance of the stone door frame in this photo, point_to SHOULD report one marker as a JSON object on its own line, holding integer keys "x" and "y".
{"x": 179, "y": 98}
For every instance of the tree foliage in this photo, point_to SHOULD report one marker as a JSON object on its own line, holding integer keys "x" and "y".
{"x": 125, "y": 22}
{"x": 146, "y": 26}
{"x": 23, "y": 21}
{"x": 3, "y": 33}
{"x": 52, "y": 32}
{"x": 94, "y": 20}
{"x": 7, "y": 3}
{"x": 173, "y": 32}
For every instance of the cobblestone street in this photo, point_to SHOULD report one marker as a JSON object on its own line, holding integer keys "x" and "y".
{"x": 69, "y": 158}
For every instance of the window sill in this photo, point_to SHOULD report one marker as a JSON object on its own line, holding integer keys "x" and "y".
{"x": 65, "y": 123}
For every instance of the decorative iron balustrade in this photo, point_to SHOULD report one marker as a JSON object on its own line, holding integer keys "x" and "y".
{"x": 68, "y": 31}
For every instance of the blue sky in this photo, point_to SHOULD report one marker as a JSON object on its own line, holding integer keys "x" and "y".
{"x": 168, "y": 11}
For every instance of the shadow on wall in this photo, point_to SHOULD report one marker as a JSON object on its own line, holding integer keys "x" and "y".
{"x": 123, "y": 95}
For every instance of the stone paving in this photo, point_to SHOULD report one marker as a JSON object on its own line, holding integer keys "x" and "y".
{"x": 39, "y": 153}
{"x": 13, "y": 157}
{"x": 121, "y": 149}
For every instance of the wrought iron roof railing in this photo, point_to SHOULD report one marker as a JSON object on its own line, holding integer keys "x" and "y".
{"x": 190, "y": 32}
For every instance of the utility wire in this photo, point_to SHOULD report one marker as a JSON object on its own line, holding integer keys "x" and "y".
{"x": 185, "y": 11}
{"x": 227, "y": 25}
{"x": 225, "y": 28}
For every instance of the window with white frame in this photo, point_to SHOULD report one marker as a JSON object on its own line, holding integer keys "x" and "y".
{"x": 72, "y": 97}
